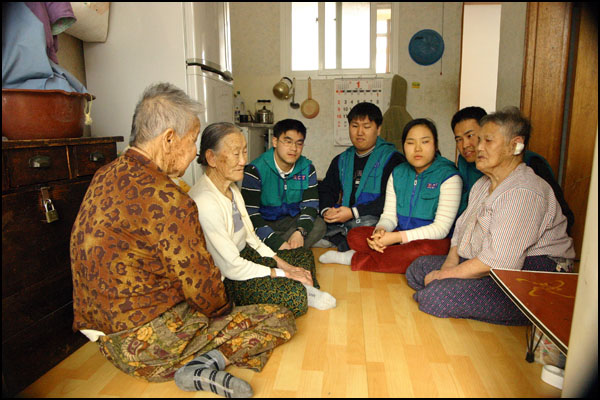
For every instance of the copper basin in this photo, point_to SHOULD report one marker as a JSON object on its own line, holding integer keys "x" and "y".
{"x": 43, "y": 114}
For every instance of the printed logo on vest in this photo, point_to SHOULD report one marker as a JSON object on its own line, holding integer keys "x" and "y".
{"x": 432, "y": 185}
{"x": 299, "y": 177}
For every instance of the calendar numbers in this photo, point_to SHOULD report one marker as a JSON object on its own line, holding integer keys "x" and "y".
{"x": 348, "y": 93}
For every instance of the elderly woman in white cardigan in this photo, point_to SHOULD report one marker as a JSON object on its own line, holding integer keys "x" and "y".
{"x": 254, "y": 274}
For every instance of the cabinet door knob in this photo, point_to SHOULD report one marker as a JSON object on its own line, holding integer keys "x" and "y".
{"x": 39, "y": 162}
{"x": 97, "y": 157}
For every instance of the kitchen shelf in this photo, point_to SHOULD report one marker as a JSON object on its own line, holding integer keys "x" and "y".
{"x": 256, "y": 125}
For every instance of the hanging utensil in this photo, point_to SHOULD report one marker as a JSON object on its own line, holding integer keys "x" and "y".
{"x": 293, "y": 104}
{"x": 281, "y": 90}
{"x": 309, "y": 107}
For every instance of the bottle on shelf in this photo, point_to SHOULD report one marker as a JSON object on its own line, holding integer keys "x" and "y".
{"x": 239, "y": 107}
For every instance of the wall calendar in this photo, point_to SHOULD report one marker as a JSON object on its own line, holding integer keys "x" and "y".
{"x": 349, "y": 92}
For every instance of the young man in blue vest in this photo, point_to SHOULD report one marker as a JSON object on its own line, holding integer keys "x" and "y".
{"x": 353, "y": 191}
{"x": 280, "y": 191}
{"x": 465, "y": 125}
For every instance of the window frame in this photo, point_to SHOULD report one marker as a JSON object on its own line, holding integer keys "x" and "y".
{"x": 322, "y": 73}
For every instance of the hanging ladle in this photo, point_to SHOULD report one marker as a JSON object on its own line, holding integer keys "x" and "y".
{"x": 293, "y": 104}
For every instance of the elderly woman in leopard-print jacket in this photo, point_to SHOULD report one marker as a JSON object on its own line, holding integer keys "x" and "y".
{"x": 144, "y": 285}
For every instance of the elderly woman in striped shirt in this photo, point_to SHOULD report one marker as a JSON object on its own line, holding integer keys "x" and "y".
{"x": 512, "y": 221}
{"x": 421, "y": 201}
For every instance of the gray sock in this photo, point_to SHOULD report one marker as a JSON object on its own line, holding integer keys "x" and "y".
{"x": 205, "y": 372}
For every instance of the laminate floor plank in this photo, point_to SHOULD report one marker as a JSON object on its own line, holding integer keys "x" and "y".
{"x": 375, "y": 343}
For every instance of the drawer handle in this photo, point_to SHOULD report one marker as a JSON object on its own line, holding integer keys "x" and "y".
{"x": 39, "y": 162}
{"x": 97, "y": 157}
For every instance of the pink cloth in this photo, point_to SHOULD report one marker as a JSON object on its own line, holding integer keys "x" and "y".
{"x": 50, "y": 14}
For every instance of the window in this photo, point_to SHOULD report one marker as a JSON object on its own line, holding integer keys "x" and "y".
{"x": 384, "y": 38}
{"x": 336, "y": 38}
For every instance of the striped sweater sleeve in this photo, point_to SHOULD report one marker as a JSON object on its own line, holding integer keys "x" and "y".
{"x": 251, "y": 189}
{"x": 309, "y": 206}
{"x": 448, "y": 203}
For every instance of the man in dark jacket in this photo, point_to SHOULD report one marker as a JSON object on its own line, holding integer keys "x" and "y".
{"x": 353, "y": 191}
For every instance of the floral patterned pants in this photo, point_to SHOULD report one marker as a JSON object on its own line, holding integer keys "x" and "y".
{"x": 157, "y": 349}
{"x": 266, "y": 290}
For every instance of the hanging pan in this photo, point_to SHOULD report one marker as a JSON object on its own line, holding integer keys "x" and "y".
{"x": 309, "y": 107}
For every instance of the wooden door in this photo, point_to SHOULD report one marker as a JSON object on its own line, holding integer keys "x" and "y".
{"x": 545, "y": 76}
{"x": 583, "y": 122}
{"x": 545, "y": 91}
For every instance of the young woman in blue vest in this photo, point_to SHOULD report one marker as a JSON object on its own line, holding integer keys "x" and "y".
{"x": 422, "y": 198}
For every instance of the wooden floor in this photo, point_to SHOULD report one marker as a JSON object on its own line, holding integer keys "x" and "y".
{"x": 375, "y": 343}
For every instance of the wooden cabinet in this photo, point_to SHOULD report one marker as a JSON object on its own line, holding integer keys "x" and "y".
{"x": 37, "y": 291}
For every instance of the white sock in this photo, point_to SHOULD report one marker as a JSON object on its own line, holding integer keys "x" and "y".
{"x": 337, "y": 257}
{"x": 319, "y": 299}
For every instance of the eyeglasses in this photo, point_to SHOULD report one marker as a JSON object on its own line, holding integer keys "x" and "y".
{"x": 289, "y": 143}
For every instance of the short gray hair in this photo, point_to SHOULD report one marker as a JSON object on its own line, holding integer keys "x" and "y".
{"x": 163, "y": 106}
{"x": 512, "y": 122}
{"x": 212, "y": 136}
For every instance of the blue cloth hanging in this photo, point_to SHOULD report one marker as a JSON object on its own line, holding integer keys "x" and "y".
{"x": 27, "y": 51}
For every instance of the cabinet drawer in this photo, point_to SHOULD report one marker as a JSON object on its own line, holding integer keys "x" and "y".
{"x": 33, "y": 250}
{"x": 88, "y": 158}
{"x": 29, "y": 166}
{"x": 28, "y": 355}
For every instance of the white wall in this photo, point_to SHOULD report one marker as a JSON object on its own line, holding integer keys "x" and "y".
{"x": 256, "y": 67}
{"x": 511, "y": 54}
{"x": 255, "y": 32}
{"x": 582, "y": 360}
{"x": 480, "y": 47}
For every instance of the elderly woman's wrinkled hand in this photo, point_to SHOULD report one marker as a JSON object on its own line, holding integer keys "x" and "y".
{"x": 299, "y": 274}
{"x": 432, "y": 276}
{"x": 296, "y": 273}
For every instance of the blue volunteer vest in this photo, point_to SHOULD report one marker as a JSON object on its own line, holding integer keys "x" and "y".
{"x": 369, "y": 188}
{"x": 280, "y": 197}
{"x": 417, "y": 196}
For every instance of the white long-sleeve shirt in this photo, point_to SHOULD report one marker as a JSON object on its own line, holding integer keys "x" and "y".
{"x": 216, "y": 217}
{"x": 448, "y": 203}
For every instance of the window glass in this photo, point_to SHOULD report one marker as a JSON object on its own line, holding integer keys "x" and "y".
{"x": 330, "y": 36}
{"x": 305, "y": 36}
{"x": 356, "y": 35}
{"x": 347, "y": 37}
{"x": 383, "y": 41}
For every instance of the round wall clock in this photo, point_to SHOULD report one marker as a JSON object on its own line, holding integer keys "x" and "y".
{"x": 426, "y": 47}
